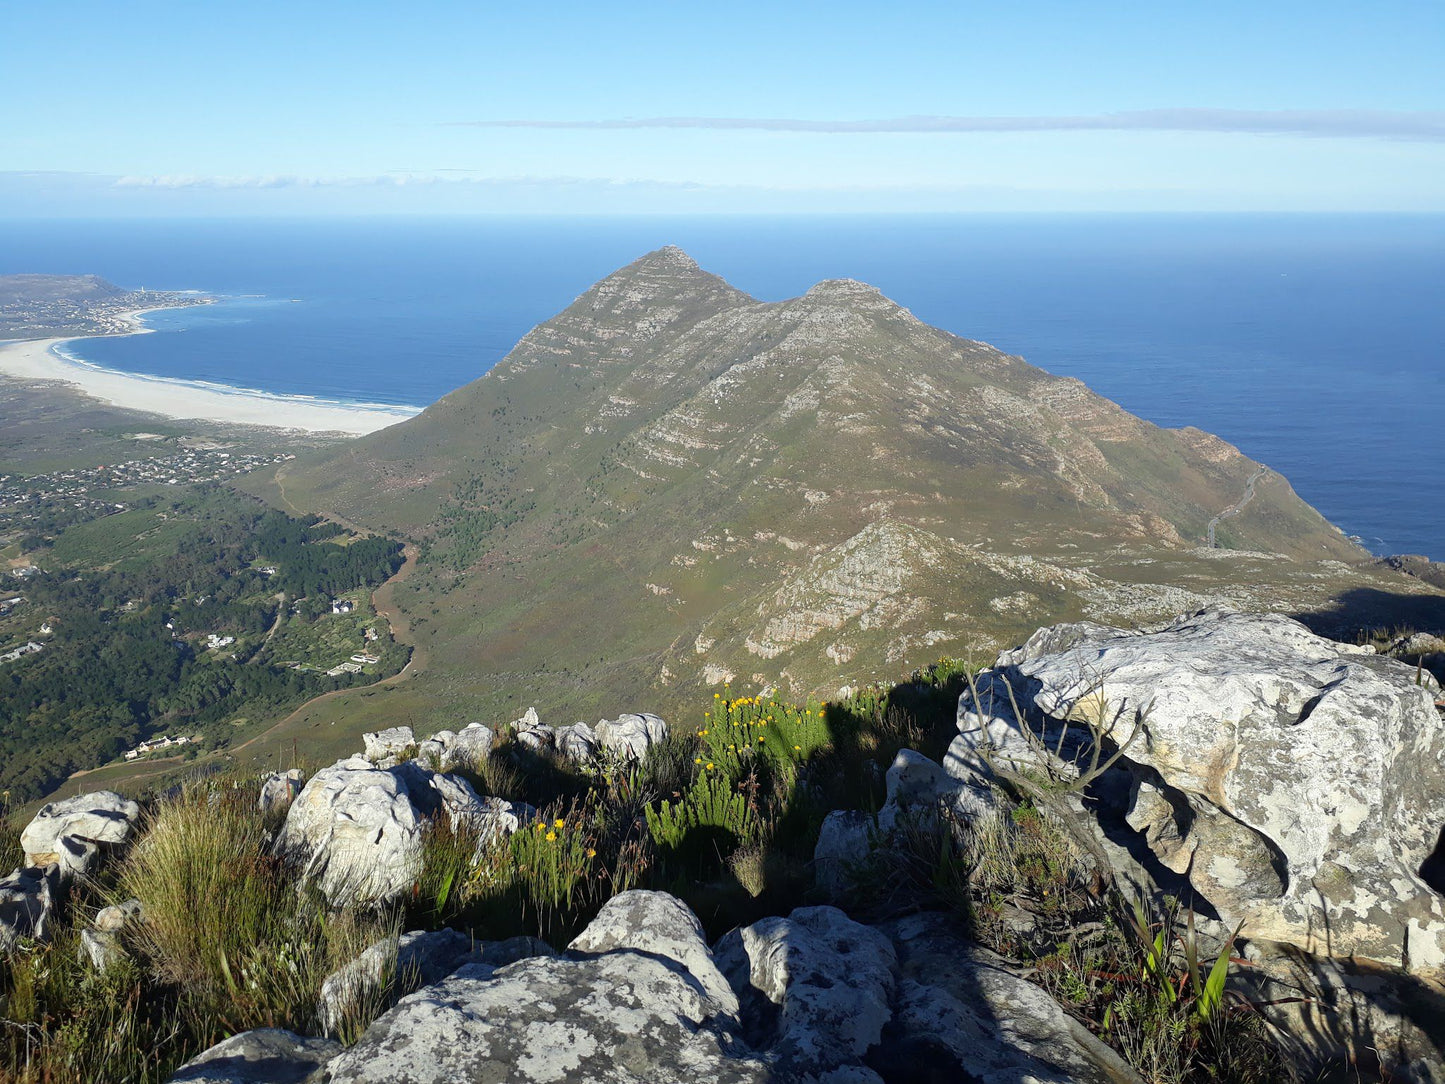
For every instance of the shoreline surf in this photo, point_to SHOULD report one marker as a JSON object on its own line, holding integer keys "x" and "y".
{"x": 47, "y": 359}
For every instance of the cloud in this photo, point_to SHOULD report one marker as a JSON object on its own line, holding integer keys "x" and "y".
{"x": 1425, "y": 126}
{"x": 450, "y": 177}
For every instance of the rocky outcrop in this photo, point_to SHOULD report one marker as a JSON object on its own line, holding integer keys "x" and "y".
{"x": 279, "y": 790}
{"x": 264, "y": 1056}
{"x": 100, "y": 944}
{"x": 389, "y": 745}
{"x": 815, "y": 988}
{"x": 357, "y": 829}
{"x": 463, "y": 750}
{"x": 71, "y": 833}
{"x": 637, "y": 999}
{"x": 396, "y": 966}
{"x": 918, "y": 790}
{"x": 28, "y": 898}
{"x": 1297, "y": 783}
{"x": 962, "y": 1015}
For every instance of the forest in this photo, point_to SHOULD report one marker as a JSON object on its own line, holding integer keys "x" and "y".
{"x": 126, "y": 656}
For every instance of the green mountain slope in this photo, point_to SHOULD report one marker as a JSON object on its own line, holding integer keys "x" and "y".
{"x": 671, "y": 483}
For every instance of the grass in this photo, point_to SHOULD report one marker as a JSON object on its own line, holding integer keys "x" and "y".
{"x": 725, "y": 818}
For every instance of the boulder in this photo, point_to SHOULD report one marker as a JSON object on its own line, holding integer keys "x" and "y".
{"x": 263, "y": 1056}
{"x": 357, "y": 829}
{"x": 469, "y": 748}
{"x": 28, "y": 898}
{"x": 919, "y": 790}
{"x": 631, "y": 735}
{"x": 962, "y": 1015}
{"x": 815, "y": 988}
{"x": 394, "y": 967}
{"x": 1299, "y": 783}
{"x": 70, "y": 833}
{"x": 387, "y": 746}
{"x": 100, "y": 945}
{"x": 637, "y": 999}
{"x": 279, "y": 790}
{"x": 577, "y": 742}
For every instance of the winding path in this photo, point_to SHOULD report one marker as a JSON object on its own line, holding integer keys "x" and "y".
{"x": 1235, "y": 509}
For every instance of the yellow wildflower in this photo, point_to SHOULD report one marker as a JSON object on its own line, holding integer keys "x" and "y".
{"x": 591, "y": 852}
{"x": 550, "y": 836}
{"x": 709, "y": 766}
{"x": 799, "y": 748}
{"x": 697, "y": 760}
{"x": 559, "y": 823}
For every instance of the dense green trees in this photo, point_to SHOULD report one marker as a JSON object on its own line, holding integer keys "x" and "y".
{"x": 124, "y": 661}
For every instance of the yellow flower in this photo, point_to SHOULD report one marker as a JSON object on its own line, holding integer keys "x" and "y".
{"x": 697, "y": 760}
{"x": 717, "y": 696}
{"x": 709, "y": 766}
{"x": 550, "y": 836}
{"x": 559, "y": 823}
{"x": 591, "y": 852}
{"x": 799, "y": 748}
{"x": 760, "y": 739}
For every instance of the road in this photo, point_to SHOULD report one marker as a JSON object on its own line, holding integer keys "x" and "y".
{"x": 1235, "y": 509}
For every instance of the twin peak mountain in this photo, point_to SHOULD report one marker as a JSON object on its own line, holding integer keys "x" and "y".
{"x": 670, "y": 484}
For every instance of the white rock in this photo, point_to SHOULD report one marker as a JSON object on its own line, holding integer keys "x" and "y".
{"x": 469, "y": 748}
{"x": 635, "y": 1001}
{"x": 28, "y": 898}
{"x": 577, "y": 742}
{"x": 357, "y": 829}
{"x": 387, "y": 744}
{"x": 263, "y": 1056}
{"x": 1309, "y": 776}
{"x": 71, "y": 832}
{"x": 279, "y": 789}
{"x": 831, "y": 980}
{"x": 631, "y": 735}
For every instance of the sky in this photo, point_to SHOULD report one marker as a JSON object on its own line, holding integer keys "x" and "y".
{"x": 262, "y": 108}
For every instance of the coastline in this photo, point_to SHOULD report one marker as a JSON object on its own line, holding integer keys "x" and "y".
{"x": 44, "y": 359}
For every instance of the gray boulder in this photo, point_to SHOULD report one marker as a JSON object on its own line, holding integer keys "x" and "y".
{"x": 279, "y": 790}
{"x": 815, "y": 988}
{"x": 577, "y": 742}
{"x": 357, "y": 829}
{"x": 468, "y": 748}
{"x": 263, "y": 1056}
{"x": 100, "y": 944}
{"x": 961, "y": 1014}
{"x": 631, "y": 735}
{"x": 28, "y": 898}
{"x": 70, "y": 833}
{"x": 386, "y": 746}
{"x": 637, "y": 999}
{"x": 1299, "y": 783}
{"x": 394, "y": 967}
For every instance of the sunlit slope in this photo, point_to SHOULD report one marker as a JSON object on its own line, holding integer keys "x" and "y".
{"x": 671, "y": 482}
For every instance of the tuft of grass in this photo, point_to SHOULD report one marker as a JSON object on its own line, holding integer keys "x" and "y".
{"x": 226, "y": 927}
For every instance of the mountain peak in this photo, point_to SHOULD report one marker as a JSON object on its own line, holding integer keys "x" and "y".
{"x": 668, "y": 258}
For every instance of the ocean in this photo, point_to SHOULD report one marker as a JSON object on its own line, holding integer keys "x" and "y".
{"x": 1315, "y": 343}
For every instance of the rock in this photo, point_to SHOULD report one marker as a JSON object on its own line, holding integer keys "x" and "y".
{"x": 387, "y": 745}
{"x": 1299, "y": 782}
{"x": 263, "y": 1056}
{"x": 815, "y": 988}
{"x": 394, "y": 967}
{"x": 28, "y": 898}
{"x": 469, "y": 748}
{"x": 71, "y": 832}
{"x": 918, "y": 791}
{"x": 113, "y": 918}
{"x": 279, "y": 790}
{"x": 577, "y": 742}
{"x": 631, "y": 735}
{"x": 1328, "y": 1015}
{"x": 431, "y": 754}
{"x": 100, "y": 948}
{"x": 357, "y": 829}
{"x": 961, "y": 1015}
{"x": 636, "y": 999}
{"x": 844, "y": 843}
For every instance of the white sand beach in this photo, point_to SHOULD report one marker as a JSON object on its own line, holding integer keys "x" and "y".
{"x": 37, "y": 359}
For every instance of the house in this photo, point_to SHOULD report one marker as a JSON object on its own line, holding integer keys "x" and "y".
{"x": 344, "y": 668}
{"x": 29, "y": 648}
{"x": 47, "y": 629}
{"x": 25, "y": 572}
{"x": 213, "y": 641}
{"x": 342, "y": 606}
{"x": 365, "y": 660}
{"x": 371, "y": 636}
{"x": 267, "y": 570}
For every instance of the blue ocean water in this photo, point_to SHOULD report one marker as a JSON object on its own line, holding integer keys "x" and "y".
{"x": 1314, "y": 343}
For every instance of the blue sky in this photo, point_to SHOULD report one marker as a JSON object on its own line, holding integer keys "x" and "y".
{"x": 151, "y": 108}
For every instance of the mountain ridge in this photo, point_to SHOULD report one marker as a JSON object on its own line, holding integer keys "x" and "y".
{"x": 818, "y": 488}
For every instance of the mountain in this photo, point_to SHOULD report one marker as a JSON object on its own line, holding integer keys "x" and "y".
{"x": 671, "y": 484}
